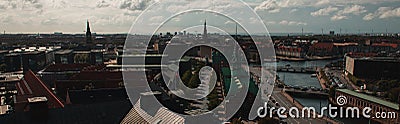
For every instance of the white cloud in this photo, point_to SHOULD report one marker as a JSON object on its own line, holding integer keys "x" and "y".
{"x": 338, "y": 17}
{"x": 284, "y": 22}
{"x": 324, "y": 11}
{"x": 274, "y": 6}
{"x": 20, "y": 4}
{"x": 270, "y": 5}
{"x": 322, "y": 2}
{"x": 391, "y": 13}
{"x": 102, "y": 3}
{"x": 156, "y": 18}
{"x": 291, "y": 23}
{"x": 348, "y": 11}
{"x": 6, "y": 19}
{"x": 71, "y": 15}
{"x": 134, "y": 4}
{"x": 278, "y": 4}
{"x": 270, "y": 22}
{"x": 343, "y": 2}
{"x": 354, "y": 9}
{"x": 369, "y": 16}
{"x": 176, "y": 19}
{"x": 293, "y": 10}
{"x": 383, "y": 12}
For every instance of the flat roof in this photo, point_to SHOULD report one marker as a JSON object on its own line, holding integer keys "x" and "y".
{"x": 82, "y": 52}
{"x": 3, "y": 51}
{"x": 63, "y": 51}
{"x": 37, "y": 99}
{"x": 370, "y": 98}
{"x": 33, "y": 53}
{"x": 150, "y": 93}
{"x": 136, "y": 66}
{"x": 377, "y": 59}
{"x": 143, "y": 55}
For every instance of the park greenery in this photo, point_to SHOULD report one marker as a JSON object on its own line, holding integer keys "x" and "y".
{"x": 191, "y": 79}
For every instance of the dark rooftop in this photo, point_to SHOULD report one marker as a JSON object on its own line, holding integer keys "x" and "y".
{"x": 63, "y": 52}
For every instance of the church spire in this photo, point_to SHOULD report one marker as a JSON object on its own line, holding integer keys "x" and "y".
{"x": 205, "y": 29}
{"x": 88, "y": 33}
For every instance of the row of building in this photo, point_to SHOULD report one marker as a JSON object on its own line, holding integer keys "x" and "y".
{"x": 37, "y": 60}
{"x": 336, "y": 49}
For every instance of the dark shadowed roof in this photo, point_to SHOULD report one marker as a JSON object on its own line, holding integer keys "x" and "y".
{"x": 111, "y": 112}
{"x": 98, "y": 75}
{"x": 65, "y": 67}
{"x": 138, "y": 116}
{"x": 31, "y": 86}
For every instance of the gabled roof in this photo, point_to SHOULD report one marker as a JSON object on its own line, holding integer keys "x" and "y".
{"x": 31, "y": 86}
{"x": 138, "y": 116}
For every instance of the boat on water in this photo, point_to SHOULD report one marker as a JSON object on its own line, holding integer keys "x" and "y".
{"x": 313, "y": 75}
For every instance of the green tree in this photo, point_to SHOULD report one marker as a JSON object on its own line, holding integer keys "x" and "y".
{"x": 194, "y": 80}
{"x": 393, "y": 94}
{"x": 213, "y": 100}
{"x": 186, "y": 77}
{"x": 81, "y": 58}
{"x": 3, "y": 67}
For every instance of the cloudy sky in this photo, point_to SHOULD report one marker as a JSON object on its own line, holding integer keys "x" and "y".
{"x": 280, "y": 16}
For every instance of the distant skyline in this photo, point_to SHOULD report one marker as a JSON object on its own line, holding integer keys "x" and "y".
{"x": 279, "y": 16}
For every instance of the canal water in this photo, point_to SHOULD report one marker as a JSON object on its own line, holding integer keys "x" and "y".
{"x": 302, "y": 79}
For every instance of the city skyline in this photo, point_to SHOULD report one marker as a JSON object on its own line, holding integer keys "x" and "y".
{"x": 279, "y": 16}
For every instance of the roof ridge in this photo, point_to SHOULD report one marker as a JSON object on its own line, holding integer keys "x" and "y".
{"x": 46, "y": 89}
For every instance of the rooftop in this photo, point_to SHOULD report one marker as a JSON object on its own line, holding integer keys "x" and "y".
{"x": 63, "y": 52}
{"x": 111, "y": 112}
{"x": 387, "y": 59}
{"x": 31, "y": 86}
{"x": 370, "y": 98}
{"x": 143, "y": 55}
{"x": 37, "y": 99}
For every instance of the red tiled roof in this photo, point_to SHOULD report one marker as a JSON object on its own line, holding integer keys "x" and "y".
{"x": 291, "y": 49}
{"x": 32, "y": 86}
{"x": 326, "y": 46}
{"x": 94, "y": 67}
{"x": 393, "y": 45}
{"x": 345, "y": 44}
{"x": 66, "y": 67}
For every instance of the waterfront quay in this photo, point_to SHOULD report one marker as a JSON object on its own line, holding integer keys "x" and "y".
{"x": 310, "y": 70}
{"x": 282, "y": 99}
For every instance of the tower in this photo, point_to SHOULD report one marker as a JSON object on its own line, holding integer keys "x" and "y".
{"x": 88, "y": 33}
{"x": 205, "y": 51}
{"x": 205, "y": 29}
